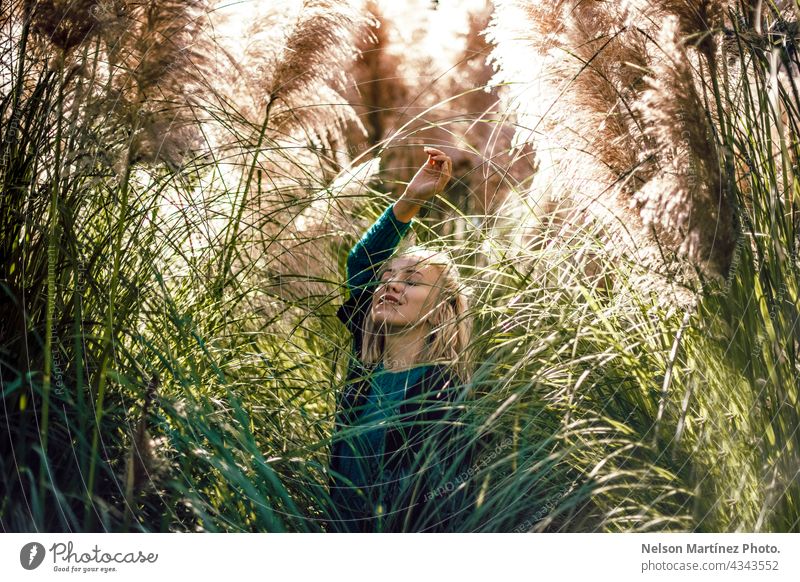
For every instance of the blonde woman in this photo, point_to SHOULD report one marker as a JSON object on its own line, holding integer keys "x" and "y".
{"x": 407, "y": 315}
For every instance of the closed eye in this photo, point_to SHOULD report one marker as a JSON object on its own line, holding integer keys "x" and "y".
{"x": 386, "y": 275}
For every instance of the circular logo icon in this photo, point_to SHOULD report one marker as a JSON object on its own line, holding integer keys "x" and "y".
{"x": 31, "y": 555}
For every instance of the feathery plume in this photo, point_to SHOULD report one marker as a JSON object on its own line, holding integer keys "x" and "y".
{"x": 135, "y": 81}
{"x": 601, "y": 128}
{"x": 64, "y": 24}
{"x": 293, "y": 69}
{"x": 686, "y": 198}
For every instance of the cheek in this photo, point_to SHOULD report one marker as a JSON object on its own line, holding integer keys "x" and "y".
{"x": 419, "y": 299}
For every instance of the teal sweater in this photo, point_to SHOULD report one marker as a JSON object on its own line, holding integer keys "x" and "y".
{"x": 363, "y": 459}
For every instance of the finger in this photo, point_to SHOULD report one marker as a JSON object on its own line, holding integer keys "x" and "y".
{"x": 447, "y": 171}
{"x": 438, "y": 164}
{"x": 433, "y": 151}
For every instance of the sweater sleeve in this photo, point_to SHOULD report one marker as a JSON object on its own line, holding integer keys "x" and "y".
{"x": 363, "y": 262}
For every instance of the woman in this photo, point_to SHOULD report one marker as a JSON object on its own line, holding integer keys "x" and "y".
{"x": 396, "y": 428}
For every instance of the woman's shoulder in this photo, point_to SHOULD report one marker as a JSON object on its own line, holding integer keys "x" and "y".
{"x": 444, "y": 373}
{"x": 441, "y": 382}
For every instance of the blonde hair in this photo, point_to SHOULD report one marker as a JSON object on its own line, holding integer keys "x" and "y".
{"x": 451, "y": 325}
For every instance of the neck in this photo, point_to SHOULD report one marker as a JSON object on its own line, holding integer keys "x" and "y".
{"x": 402, "y": 349}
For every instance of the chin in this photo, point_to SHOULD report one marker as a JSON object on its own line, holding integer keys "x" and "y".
{"x": 388, "y": 319}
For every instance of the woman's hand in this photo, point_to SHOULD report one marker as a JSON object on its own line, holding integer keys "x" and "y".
{"x": 429, "y": 181}
{"x": 431, "y": 178}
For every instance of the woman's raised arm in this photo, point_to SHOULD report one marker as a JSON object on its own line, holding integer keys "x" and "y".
{"x": 429, "y": 181}
{"x": 382, "y": 237}
{"x": 380, "y": 240}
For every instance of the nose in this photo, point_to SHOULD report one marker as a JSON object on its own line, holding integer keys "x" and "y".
{"x": 394, "y": 285}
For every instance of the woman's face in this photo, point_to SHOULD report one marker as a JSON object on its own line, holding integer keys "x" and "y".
{"x": 408, "y": 289}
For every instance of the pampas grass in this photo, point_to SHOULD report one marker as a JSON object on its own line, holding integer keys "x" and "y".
{"x": 595, "y": 99}
{"x": 687, "y": 199}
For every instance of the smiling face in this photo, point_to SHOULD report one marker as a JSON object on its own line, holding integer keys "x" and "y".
{"x": 409, "y": 288}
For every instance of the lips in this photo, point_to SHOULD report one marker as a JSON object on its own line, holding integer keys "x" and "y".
{"x": 389, "y": 298}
